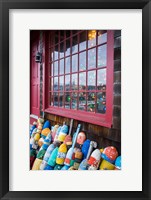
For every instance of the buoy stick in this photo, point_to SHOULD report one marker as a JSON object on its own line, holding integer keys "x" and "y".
{"x": 71, "y": 125}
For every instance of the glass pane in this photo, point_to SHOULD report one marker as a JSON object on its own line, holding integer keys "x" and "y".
{"x": 67, "y": 100}
{"x": 102, "y": 37}
{"x": 82, "y": 101}
{"x": 91, "y": 38}
{"x": 101, "y": 102}
{"x": 56, "y": 53}
{"x": 74, "y": 82}
{"x": 56, "y": 37}
{"x": 67, "y": 82}
{"x": 61, "y": 79}
{"x": 75, "y": 44}
{"x": 92, "y": 58}
{"x": 55, "y": 88}
{"x": 51, "y": 54}
{"x": 51, "y": 69}
{"x": 101, "y": 80}
{"x": 68, "y": 33}
{"x": 67, "y": 69}
{"x": 56, "y": 99}
{"x": 55, "y": 68}
{"x": 102, "y": 55}
{"x": 82, "y": 61}
{"x": 82, "y": 81}
{"x": 91, "y": 102}
{"x": 61, "y": 99}
{"x": 67, "y": 52}
{"x": 51, "y": 99}
{"x": 74, "y": 101}
{"x": 82, "y": 43}
{"x": 75, "y": 63}
{"x": 91, "y": 80}
{"x": 51, "y": 84}
{"x": 62, "y": 66}
{"x": 61, "y": 50}
{"x": 61, "y": 35}
{"x": 117, "y": 42}
{"x": 75, "y": 32}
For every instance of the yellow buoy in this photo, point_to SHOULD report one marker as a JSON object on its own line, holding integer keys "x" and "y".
{"x": 36, "y": 165}
{"x": 105, "y": 165}
{"x": 61, "y": 154}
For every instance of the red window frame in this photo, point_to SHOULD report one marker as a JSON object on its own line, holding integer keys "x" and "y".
{"x": 94, "y": 118}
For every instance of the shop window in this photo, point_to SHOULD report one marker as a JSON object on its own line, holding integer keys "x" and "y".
{"x": 81, "y": 75}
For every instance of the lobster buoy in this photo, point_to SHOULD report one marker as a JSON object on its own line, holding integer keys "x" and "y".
{"x": 47, "y": 125}
{"x": 61, "y": 154}
{"x": 85, "y": 148}
{"x": 52, "y": 159}
{"x": 45, "y": 132}
{"x": 110, "y": 154}
{"x": 63, "y": 133}
{"x": 94, "y": 160}
{"x": 118, "y": 163}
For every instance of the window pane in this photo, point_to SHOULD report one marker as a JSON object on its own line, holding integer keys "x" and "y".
{"x": 56, "y": 37}
{"x": 91, "y": 102}
{"x": 51, "y": 99}
{"x": 56, "y": 84}
{"x": 61, "y": 99}
{"x": 75, "y": 44}
{"x": 82, "y": 61}
{"x": 51, "y": 69}
{"x": 67, "y": 100}
{"x": 83, "y": 38}
{"x": 55, "y": 68}
{"x": 74, "y": 101}
{"x": 51, "y": 54}
{"x": 68, "y": 33}
{"x": 101, "y": 102}
{"x": 61, "y": 50}
{"x": 67, "y": 82}
{"x": 74, "y": 82}
{"x": 56, "y": 99}
{"x": 102, "y": 37}
{"x": 67, "y": 52}
{"x": 82, "y": 101}
{"x": 101, "y": 80}
{"x": 92, "y": 58}
{"x": 91, "y": 80}
{"x": 117, "y": 42}
{"x": 75, "y": 63}
{"x": 67, "y": 69}
{"x": 51, "y": 84}
{"x": 56, "y": 53}
{"x": 61, "y": 35}
{"x": 82, "y": 81}
{"x": 62, "y": 66}
{"x": 61, "y": 79}
{"x": 91, "y": 38}
{"x": 102, "y": 55}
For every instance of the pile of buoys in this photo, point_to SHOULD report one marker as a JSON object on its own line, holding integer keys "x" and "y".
{"x": 53, "y": 148}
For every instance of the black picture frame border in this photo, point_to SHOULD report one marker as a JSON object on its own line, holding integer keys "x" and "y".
{"x": 5, "y": 5}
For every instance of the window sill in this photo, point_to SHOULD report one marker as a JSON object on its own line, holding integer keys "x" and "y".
{"x": 98, "y": 119}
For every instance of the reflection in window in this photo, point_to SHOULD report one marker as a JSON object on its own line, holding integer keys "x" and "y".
{"x": 102, "y": 56}
{"x": 55, "y": 88}
{"x": 74, "y": 82}
{"x": 55, "y": 68}
{"x": 82, "y": 81}
{"x": 61, "y": 99}
{"x": 91, "y": 38}
{"x": 67, "y": 82}
{"x": 56, "y": 99}
{"x": 67, "y": 52}
{"x": 51, "y": 84}
{"x": 51, "y": 99}
{"x": 75, "y": 63}
{"x": 67, "y": 100}
{"x": 82, "y": 61}
{"x": 56, "y": 53}
{"x": 101, "y": 102}
{"x": 92, "y": 58}
{"x": 67, "y": 68}
{"x": 91, "y": 80}
{"x": 82, "y": 101}
{"x": 74, "y": 44}
{"x": 61, "y": 79}
{"x": 61, "y": 66}
{"x": 51, "y": 55}
{"x": 102, "y": 37}
{"x": 101, "y": 80}
{"x": 91, "y": 102}
{"x": 74, "y": 100}
{"x": 82, "y": 42}
{"x": 51, "y": 72}
{"x": 61, "y": 50}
